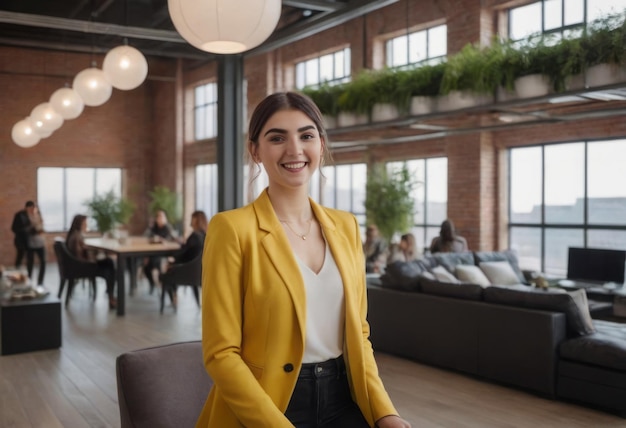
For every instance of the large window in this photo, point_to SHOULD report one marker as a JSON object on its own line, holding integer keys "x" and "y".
{"x": 206, "y": 189}
{"x": 566, "y": 195}
{"x": 332, "y": 68}
{"x": 62, "y": 192}
{"x": 205, "y": 111}
{"x": 344, "y": 188}
{"x": 430, "y": 196}
{"x": 421, "y": 47}
{"x": 559, "y": 17}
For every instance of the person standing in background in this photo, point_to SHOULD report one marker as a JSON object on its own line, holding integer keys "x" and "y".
{"x": 28, "y": 228}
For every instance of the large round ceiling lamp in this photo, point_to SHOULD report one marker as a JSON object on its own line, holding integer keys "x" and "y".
{"x": 125, "y": 67}
{"x": 24, "y": 133}
{"x": 46, "y": 119}
{"x": 92, "y": 86}
{"x": 67, "y": 103}
{"x": 225, "y": 26}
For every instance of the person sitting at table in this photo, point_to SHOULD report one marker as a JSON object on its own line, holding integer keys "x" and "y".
{"x": 160, "y": 230}
{"x": 75, "y": 242}
{"x": 194, "y": 244}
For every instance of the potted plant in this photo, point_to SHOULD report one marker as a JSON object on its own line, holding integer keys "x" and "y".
{"x": 109, "y": 210}
{"x": 388, "y": 200}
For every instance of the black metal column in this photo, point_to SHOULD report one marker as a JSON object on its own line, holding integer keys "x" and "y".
{"x": 230, "y": 144}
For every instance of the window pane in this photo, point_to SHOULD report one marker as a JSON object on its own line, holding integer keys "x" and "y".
{"x": 418, "y": 47}
{"x": 417, "y": 170}
{"x": 359, "y": 178}
{"x": 564, "y": 187}
{"x": 526, "y": 242}
{"x": 108, "y": 179}
{"x": 609, "y": 239}
{"x": 557, "y": 243}
{"x": 598, "y": 8}
{"x": 206, "y": 189}
{"x": 525, "y": 181}
{"x": 574, "y": 12}
{"x": 341, "y": 69}
{"x": 329, "y": 187}
{"x": 50, "y": 197}
{"x": 400, "y": 49}
{"x": 81, "y": 183}
{"x": 524, "y": 21}
{"x": 312, "y": 74}
{"x": 438, "y": 41}
{"x": 436, "y": 190}
{"x": 606, "y": 182}
{"x": 300, "y": 75}
{"x": 344, "y": 183}
{"x": 553, "y": 14}
{"x": 326, "y": 68}
{"x": 199, "y": 95}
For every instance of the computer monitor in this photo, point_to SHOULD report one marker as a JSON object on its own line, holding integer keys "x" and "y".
{"x": 595, "y": 264}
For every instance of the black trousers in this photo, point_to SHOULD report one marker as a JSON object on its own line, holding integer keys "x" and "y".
{"x": 322, "y": 398}
{"x": 20, "y": 252}
{"x": 30, "y": 261}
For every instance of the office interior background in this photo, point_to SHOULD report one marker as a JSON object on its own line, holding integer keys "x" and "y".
{"x": 537, "y": 188}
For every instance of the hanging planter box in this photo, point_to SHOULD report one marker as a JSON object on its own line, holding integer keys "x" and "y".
{"x": 604, "y": 74}
{"x": 456, "y": 100}
{"x": 329, "y": 121}
{"x": 382, "y": 112}
{"x": 346, "y": 119}
{"x": 575, "y": 82}
{"x": 533, "y": 85}
{"x": 422, "y": 105}
{"x": 503, "y": 94}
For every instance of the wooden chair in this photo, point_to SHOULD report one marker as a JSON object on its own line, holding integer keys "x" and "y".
{"x": 71, "y": 269}
{"x": 189, "y": 273}
{"x": 162, "y": 386}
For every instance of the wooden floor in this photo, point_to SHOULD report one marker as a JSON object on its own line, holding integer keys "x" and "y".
{"x": 75, "y": 385}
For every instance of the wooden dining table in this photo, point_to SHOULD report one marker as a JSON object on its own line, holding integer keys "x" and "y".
{"x": 127, "y": 250}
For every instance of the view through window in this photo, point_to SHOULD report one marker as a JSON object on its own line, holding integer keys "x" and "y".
{"x": 62, "y": 192}
{"x": 332, "y": 68}
{"x": 427, "y": 46}
{"x": 205, "y": 111}
{"x": 566, "y": 195}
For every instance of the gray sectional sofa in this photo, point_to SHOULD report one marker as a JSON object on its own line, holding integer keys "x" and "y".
{"x": 517, "y": 335}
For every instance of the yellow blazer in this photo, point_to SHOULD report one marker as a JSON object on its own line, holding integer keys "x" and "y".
{"x": 254, "y": 317}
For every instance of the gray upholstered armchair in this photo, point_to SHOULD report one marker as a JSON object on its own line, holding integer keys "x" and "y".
{"x": 164, "y": 386}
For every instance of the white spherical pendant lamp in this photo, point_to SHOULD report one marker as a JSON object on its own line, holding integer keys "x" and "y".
{"x": 125, "y": 67}
{"x": 92, "y": 86}
{"x": 24, "y": 133}
{"x": 67, "y": 103}
{"x": 225, "y": 26}
{"x": 46, "y": 119}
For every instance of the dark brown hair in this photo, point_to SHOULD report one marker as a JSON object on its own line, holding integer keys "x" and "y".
{"x": 201, "y": 219}
{"x": 77, "y": 224}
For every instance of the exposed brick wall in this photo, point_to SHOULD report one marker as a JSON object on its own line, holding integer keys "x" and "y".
{"x": 141, "y": 130}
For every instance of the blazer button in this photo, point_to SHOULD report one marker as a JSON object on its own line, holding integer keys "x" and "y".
{"x": 288, "y": 367}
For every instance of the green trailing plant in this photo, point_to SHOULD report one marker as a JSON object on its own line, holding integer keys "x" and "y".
{"x": 388, "y": 201}
{"x": 162, "y": 198}
{"x": 109, "y": 210}
{"x": 481, "y": 69}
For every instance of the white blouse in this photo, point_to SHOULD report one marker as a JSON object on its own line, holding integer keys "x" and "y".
{"x": 325, "y": 312}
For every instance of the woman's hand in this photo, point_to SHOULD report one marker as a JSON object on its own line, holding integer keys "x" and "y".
{"x": 392, "y": 421}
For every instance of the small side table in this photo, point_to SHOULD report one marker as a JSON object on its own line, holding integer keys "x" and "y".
{"x": 30, "y": 325}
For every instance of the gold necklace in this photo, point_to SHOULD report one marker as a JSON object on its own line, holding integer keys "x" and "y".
{"x": 301, "y": 236}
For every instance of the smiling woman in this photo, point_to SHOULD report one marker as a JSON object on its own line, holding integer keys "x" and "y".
{"x": 284, "y": 300}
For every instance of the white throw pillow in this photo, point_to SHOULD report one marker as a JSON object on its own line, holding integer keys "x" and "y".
{"x": 472, "y": 274}
{"x": 499, "y": 273}
{"x": 443, "y": 275}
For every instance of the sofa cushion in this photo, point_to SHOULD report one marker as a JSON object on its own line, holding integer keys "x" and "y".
{"x": 472, "y": 274}
{"x": 402, "y": 275}
{"x": 498, "y": 256}
{"x": 459, "y": 290}
{"x": 572, "y": 303}
{"x": 442, "y": 274}
{"x": 451, "y": 260}
{"x": 606, "y": 347}
{"x": 499, "y": 273}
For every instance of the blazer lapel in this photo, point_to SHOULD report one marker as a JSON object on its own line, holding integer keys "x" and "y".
{"x": 281, "y": 256}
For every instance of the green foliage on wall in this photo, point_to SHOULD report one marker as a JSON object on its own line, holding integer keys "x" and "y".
{"x": 480, "y": 69}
